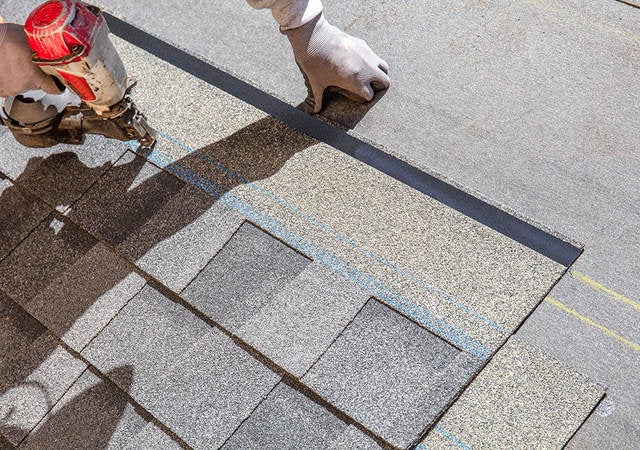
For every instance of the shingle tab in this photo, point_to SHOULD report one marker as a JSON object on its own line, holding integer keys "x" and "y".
{"x": 20, "y": 212}
{"x": 390, "y": 374}
{"x": 170, "y": 228}
{"x": 124, "y": 199}
{"x": 521, "y": 399}
{"x": 243, "y": 276}
{"x": 54, "y": 246}
{"x": 91, "y": 414}
{"x": 59, "y": 174}
{"x": 353, "y": 439}
{"x": 152, "y": 437}
{"x": 149, "y": 334}
{"x": 287, "y": 419}
{"x": 34, "y": 371}
{"x": 209, "y": 391}
{"x": 304, "y": 317}
{"x": 102, "y": 308}
{"x": 177, "y": 259}
{"x": 190, "y": 376}
{"x": 69, "y": 282}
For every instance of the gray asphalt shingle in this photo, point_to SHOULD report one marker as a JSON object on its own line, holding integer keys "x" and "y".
{"x": 353, "y": 439}
{"x": 178, "y": 259}
{"x": 99, "y": 309}
{"x": 169, "y": 228}
{"x": 69, "y": 282}
{"x": 190, "y": 376}
{"x": 152, "y": 437}
{"x": 209, "y": 391}
{"x": 304, "y": 317}
{"x": 20, "y": 212}
{"x": 287, "y": 419}
{"x": 522, "y": 399}
{"x": 51, "y": 249}
{"x": 241, "y": 279}
{"x": 148, "y": 334}
{"x": 34, "y": 371}
{"x": 383, "y": 367}
{"x": 390, "y": 374}
{"x": 91, "y": 414}
{"x": 124, "y": 199}
{"x": 60, "y": 174}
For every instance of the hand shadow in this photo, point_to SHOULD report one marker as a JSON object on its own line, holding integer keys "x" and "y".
{"x": 341, "y": 109}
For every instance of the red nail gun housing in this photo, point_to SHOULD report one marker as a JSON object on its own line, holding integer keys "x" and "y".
{"x": 70, "y": 40}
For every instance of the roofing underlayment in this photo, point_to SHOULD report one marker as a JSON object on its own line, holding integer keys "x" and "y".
{"x": 244, "y": 285}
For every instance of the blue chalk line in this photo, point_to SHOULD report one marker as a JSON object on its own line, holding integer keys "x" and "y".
{"x": 452, "y": 438}
{"x": 343, "y": 238}
{"x": 381, "y": 291}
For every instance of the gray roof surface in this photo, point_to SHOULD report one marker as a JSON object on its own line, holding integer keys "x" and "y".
{"x": 527, "y": 103}
{"x": 245, "y": 285}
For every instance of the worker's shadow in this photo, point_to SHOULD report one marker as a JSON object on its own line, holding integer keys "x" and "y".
{"x": 132, "y": 207}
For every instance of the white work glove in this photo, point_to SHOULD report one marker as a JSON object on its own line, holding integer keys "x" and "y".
{"x": 18, "y": 73}
{"x": 328, "y": 57}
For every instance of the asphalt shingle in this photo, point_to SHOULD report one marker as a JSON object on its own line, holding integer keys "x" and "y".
{"x": 521, "y": 399}
{"x": 242, "y": 278}
{"x": 152, "y": 437}
{"x": 209, "y": 391}
{"x": 124, "y": 199}
{"x": 20, "y": 212}
{"x": 479, "y": 270}
{"x": 149, "y": 334}
{"x": 60, "y": 174}
{"x": 353, "y": 439}
{"x": 66, "y": 280}
{"x": 190, "y": 376}
{"x": 311, "y": 195}
{"x": 287, "y": 419}
{"x": 34, "y": 371}
{"x": 178, "y": 259}
{"x": 99, "y": 310}
{"x": 91, "y": 414}
{"x": 169, "y": 228}
{"x": 415, "y": 254}
{"x": 304, "y": 317}
{"x": 390, "y": 374}
{"x": 50, "y": 250}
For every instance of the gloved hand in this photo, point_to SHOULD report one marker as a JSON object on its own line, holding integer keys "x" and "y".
{"x": 328, "y": 56}
{"x": 18, "y": 73}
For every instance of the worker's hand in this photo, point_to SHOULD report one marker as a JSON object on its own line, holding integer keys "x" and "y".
{"x": 18, "y": 73}
{"x": 328, "y": 56}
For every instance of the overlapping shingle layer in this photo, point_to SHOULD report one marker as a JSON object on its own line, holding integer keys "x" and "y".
{"x": 246, "y": 286}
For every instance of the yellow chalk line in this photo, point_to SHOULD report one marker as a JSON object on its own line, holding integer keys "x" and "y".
{"x": 602, "y": 288}
{"x": 592, "y": 323}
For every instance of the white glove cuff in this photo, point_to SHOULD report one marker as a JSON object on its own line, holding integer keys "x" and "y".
{"x": 296, "y": 13}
